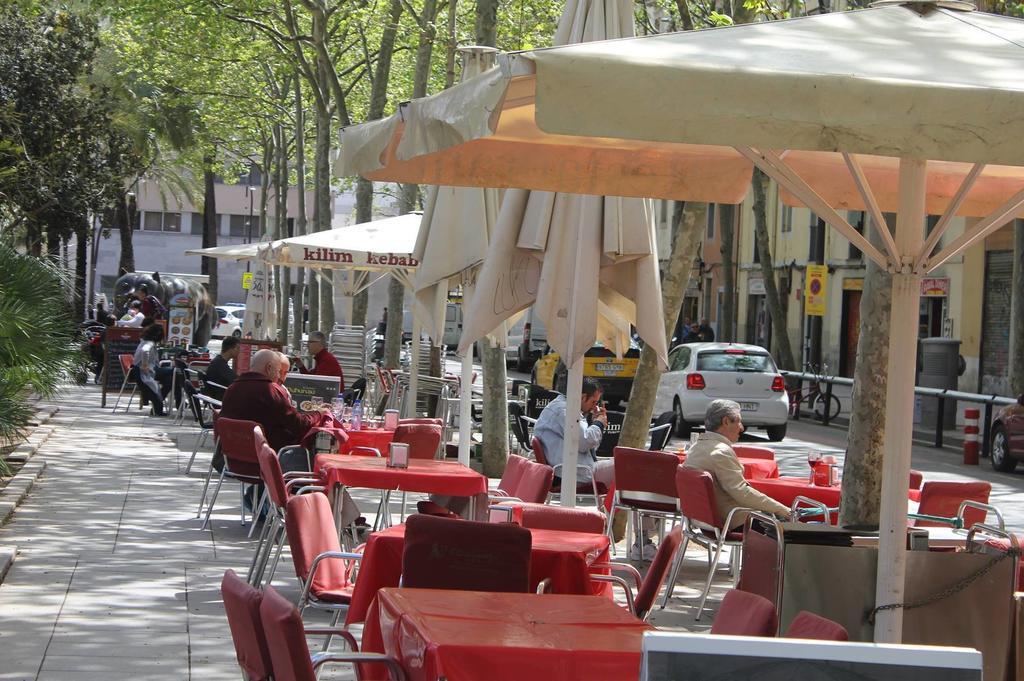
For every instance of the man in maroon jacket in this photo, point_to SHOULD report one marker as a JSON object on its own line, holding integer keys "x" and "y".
{"x": 255, "y": 396}
{"x": 326, "y": 363}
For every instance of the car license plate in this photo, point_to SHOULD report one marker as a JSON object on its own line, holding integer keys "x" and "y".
{"x": 748, "y": 406}
{"x": 607, "y": 369}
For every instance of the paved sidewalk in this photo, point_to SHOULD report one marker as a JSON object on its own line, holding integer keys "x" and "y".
{"x": 114, "y": 580}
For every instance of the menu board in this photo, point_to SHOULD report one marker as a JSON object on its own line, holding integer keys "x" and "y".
{"x": 117, "y": 341}
{"x": 180, "y": 319}
{"x": 247, "y": 347}
{"x": 304, "y": 387}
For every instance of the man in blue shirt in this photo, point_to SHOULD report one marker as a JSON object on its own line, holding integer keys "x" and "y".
{"x": 550, "y": 430}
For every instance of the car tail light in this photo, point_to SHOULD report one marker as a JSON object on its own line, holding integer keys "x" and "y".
{"x": 735, "y": 351}
{"x": 694, "y": 382}
{"x": 526, "y": 333}
{"x": 778, "y": 384}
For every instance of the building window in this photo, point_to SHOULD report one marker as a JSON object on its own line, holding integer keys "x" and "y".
{"x": 711, "y": 221}
{"x": 161, "y": 222}
{"x": 153, "y": 222}
{"x": 239, "y": 226}
{"x": 856, "y": 218}
{"x": 787, "y": 219}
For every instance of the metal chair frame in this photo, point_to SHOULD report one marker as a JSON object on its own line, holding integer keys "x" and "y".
{"x": 126, "y": 367}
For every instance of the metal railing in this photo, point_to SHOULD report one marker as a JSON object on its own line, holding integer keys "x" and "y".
{"x": 940, "y": 394}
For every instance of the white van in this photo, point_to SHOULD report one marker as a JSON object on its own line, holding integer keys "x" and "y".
{"x": 527, "y": 341}
{"x": 452, "y": 325}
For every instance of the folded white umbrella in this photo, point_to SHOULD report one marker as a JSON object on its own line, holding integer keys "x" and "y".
{"x": 452, "y": 242}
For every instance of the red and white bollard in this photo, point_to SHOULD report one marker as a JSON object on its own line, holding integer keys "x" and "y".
{"x": 971, "y": 418}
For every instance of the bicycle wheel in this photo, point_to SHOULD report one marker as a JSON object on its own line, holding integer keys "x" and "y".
{"x": 819, "y": 406}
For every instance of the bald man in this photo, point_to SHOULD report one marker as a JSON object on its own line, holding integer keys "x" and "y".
{"x": 257, "y": 396}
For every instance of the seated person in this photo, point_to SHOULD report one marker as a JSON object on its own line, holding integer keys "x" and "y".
{"x": 219, "y": 370}
{"x": 550, "y": 430}
{"x": 713, "y": 453}
{"x": 144, "y": 368}
{"x": 254, "y": 396}
{"x": 133, "y": 316}
{"x": 257, "y": 395}
{"x": 326, "y": 363}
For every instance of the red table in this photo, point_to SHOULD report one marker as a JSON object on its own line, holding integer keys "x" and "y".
{"x": 469, "y": 635}
{"x": 565, "y": 557}
{"x": 377, "y": 438}
{"x": 784, "y": 490}
{"x": 423, "y": 475}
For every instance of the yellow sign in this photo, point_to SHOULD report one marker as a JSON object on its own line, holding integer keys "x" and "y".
{"x": 816, "y": 290}
{"x": 854, "y": 284}
{"x": 247, "y": 281}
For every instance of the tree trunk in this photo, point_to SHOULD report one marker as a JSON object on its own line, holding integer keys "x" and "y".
{"x": 1017, "y": 311}
{"x": 727, "y": 324}
{"x": 321, "y": 307}
{"x": 780, "y": 333}
{"x": 862, "y": 468}
{"x": 81, "y": 267}
{"x": 451, "y": 44}
{"x": 210, "y": 227}
{"x": 300, "y": 213}
{"x": 281, "y": 229}
{"x": 492, "y": 360}
{"x": 487, "y": 22}
{"x": 124, "y": 218}
{"x": 688, "y": 221}
{"x": 393, "y": 338}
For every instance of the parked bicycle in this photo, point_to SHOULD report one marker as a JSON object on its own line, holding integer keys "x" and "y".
{"x": 814, "y": 395}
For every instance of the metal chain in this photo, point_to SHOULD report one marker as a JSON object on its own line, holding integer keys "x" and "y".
{"x": 956, "y": 588}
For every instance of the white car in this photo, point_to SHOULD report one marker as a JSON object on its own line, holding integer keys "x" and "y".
{"x": 701, "y": 372}
{"x": 229, "y": 321}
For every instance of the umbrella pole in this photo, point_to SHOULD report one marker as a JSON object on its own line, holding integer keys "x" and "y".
{"x": 571, "y": 441}
{"x": 414, "y": 366}
{"x": 466, "y": 407}
{"x": 899, "y": 408}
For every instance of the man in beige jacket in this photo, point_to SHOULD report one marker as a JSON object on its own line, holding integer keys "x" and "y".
{"x": 713, "y": 453}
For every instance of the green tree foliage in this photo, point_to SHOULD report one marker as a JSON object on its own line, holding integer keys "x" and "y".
{"x": 62, "y": 158}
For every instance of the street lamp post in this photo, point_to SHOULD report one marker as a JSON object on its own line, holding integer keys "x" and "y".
{"x": 250, "y": 190}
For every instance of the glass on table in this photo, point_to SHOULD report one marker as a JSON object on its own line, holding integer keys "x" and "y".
{"x": 813, "y": 459}
{"x": 317, "y": 402}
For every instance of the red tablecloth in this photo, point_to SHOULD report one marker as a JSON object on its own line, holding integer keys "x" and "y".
{"x": 753, "y": 469}
{"x": 435, "y": 477}
{"x": 565, "y": 557}
{"x": 378, "y": 438}
{"x": 468, "y": 635}
{"x": 784, "y": 490}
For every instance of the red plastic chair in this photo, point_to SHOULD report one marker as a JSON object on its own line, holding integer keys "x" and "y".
{"x": 423, "y": 439}
{"x": 754, "y": 452}
{"x": 646, "y": 587}
{"x": 703, "y": 525}
{"x": 745, "y": 614}
{"x": 242, "y": 606}
{"x": 442, "y": 553}
{"x": 808, "y": 625}
{"x": 534, "y": 485}
{"x": 421, "y": 421}
{"x": 127, "y": 362}
{"x": 645, "y": 484}
{"x": 277, "y": 490}
{"x": 544, "y": 517}
{"x": 289, "y": 651}
{"x": 324, "y": 571}
{"x": 515, "y": 466}
{"x": 586, "y": 489}
{"x": 943, "y": 499}
{"x": 236, "y": 442}
{"x": 916, "y": 479}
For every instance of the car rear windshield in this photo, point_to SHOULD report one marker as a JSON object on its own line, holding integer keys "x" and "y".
{"x": 239, "y": 313}
{"x": 735, "y": 361}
